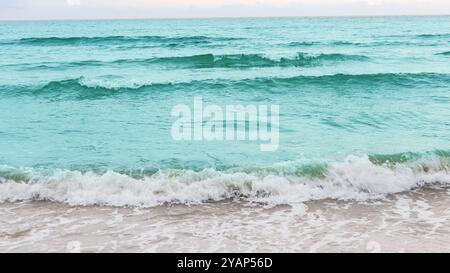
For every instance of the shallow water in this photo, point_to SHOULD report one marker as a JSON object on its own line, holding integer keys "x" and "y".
{"x": 417, "y": 221}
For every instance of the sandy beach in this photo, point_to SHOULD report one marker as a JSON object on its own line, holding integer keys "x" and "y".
{"x": 409, "y": 222}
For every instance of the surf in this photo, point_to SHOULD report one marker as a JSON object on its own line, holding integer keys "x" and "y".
{"x": 360, "y": 178}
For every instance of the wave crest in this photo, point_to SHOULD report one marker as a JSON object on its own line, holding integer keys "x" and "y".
{"x": 213, "y": 61}
{"x": 80, "y": 88}
{"x": 123, "y": 40}
{"x": 355, "y": 178}
{"x": 446, "y": 53}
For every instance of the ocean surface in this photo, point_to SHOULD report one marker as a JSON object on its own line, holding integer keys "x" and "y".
{"x": 86, "y": 110}
{"x": 364, "y": 108}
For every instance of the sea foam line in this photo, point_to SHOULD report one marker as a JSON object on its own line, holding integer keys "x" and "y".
{"x": 355, "y": 178}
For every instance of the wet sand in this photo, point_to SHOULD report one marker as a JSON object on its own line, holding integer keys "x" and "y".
{"x": 417, "y": 221}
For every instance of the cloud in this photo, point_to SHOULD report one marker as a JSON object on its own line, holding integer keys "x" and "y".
{"x": 374, "y": 2}
{"x": 218, "y": 3}
{"x": 73, "y": 3}
{"x": 205, "y": 3}
{"x": 13, "y": 4}
{"x": 92, "y": 9}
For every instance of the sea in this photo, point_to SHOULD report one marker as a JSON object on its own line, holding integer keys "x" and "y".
{"x": 88, "y": 160}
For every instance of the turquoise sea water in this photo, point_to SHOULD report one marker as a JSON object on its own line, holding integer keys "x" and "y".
{"x": 85, "y": 108}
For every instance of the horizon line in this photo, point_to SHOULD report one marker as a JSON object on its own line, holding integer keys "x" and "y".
{"x": 224, "y": 17}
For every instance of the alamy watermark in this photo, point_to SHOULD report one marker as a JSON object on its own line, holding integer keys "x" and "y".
{"x": 230, "y": 123}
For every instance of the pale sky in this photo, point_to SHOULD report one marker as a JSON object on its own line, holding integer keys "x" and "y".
{"x": 102, "y": 9}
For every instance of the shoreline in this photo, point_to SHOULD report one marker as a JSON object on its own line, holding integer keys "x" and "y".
{"x": 405, "y": 222}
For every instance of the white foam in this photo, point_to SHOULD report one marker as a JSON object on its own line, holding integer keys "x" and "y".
{"x": 356, "y": 178}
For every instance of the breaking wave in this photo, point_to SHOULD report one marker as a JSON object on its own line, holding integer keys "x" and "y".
{"x": 354, "y": 178}
{"x": 80, "y": 88}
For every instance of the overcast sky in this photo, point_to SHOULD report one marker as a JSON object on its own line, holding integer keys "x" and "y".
{"x": 102, "y": 9}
